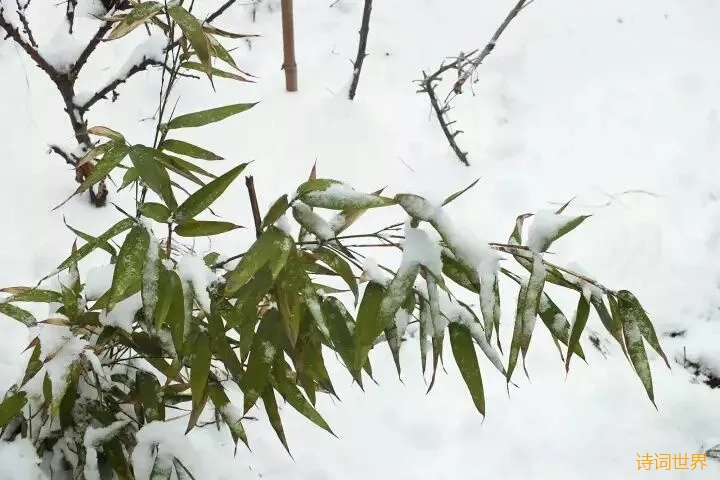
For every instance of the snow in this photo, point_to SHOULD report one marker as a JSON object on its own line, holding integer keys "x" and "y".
{"x": 418, "y": 247}
{"x": 169, "y": 442}
{"x": 193, "y": 271}
{"x": 544, "y": 122}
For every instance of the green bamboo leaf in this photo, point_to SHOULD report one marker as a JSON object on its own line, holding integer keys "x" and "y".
{"x": 466, "y": 359}
{"x": 225, "y": 409}
{"x": 264, "y": 351}
{"x": 153, "y": 173}
{"x": 292, "y": 394}
{"x": 536, "y": 283}
{"x": 424, "y": 332}
{"x": 150, "y": 395}
{"x": 131, "y": 175}
{"x": 457, "y": 194}
{"x": 89, "y": 238}
{"x": 200, "y": 370}
{"x": 611, "y": 322}
{"x": 10, "y": 407}
{"x": 127, "y": 276}
{"x": 490, "y": 305}
{"x": 102, "y": 168}
{"x": 85, "y": 250}
{"x": 335, "y": 195}
{"x": 636, "y": 349}
{"x": 456, "y": 272}
{"x": 368, "y": 326}
{"x": 271, "y": 408}
{"x": 341, "y": 266}
{"x": 200, "y": 200}
{"x": 516, "y": 340}
{"x": 276, "y": 211}
{"x": 106, "y": 132}
{"x": 272, "y": 249}
{"x": 140, "y": 14}
{"x": 34, "y": 364}
{"x": 581, "y": 317}
{"x": 516, "y": 235}
{"x": 156, "y": 211}
{"x": 338, "y": 320}
{"x": 630, "y": 306}
{"x": 67, "y": 403}
{"x": 17, "y": 313}
{"x": 27, "y": 294}
{"x": 168, "y": 287}
{"x": 216, "y": 72}
{"x": 185, "y": 148}
{"x": 193, "y": 31}
{"x": 183, "y": 167}
{"x": 204, "y": 228}
{"x": 47, "y": 389}
{"x": 205, "y": 117}
{"x": 223, "y": 33}
{"x": 345, "y": 218}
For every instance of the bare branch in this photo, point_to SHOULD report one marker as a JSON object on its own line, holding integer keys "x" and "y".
{"x": 465, "y": 65}
{"x": 103, "y": 92}
{"x": 23, "y": 19}
{"x": 67, "y": 156}
{"x": 362, "y": 45}
{"x": 89, "y": 49}
{"x": 220, "y": 11}
{"x": 32, "y": 52}
{"x": 257, "y": 219}
{"x": 473, "y": 63}
{"x": 70, "y": 14}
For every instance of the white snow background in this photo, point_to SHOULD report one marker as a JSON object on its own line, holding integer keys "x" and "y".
{"x": 587, "y": 99}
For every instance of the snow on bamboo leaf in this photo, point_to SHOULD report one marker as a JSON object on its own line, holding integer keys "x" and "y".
{"x": 229, "y": 413}
{"x": 129, "y": 267}
{"x": 312, "y": 222}
{"x": 185, "y": 148}
{"x": 272, "y": 249}
{"x": 205, "y": 196}
{"x": 335, "y": 195}
{"x": 140, "y": 14}
{"x": 636, "y": 349}
{"x": 466, "y": 359}
{"x": 265, "y": 349}
{"x": 536, "y": 282}
{"x": 416, "y": 206}
{"x": 548, "y": 227}
{"x": 193, "y": 31}
{"x": 205, "y": 117}
{"x": 150, "y": 277}
{"x": 630, "y": 306}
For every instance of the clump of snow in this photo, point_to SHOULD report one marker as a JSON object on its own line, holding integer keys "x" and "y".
{"x": 62, "y": 50}
{"x": 168, "y": 441}
{"x": 589, "y": 290}
{"x": 373, "y": 272}
{"x": 92, "y": 439}
{"x": 313, "y": 222}
{"x": 19, "y": 460}
{"x": 337, "y": 193}
{"x": 419, "y": 248}
{"x": 123, "y": 313}
{"x": 193, "y": 271}
{"x": 150, "y": 276}
{"x": 545, "y": 225}
{"x": 283, "y": 224}
{"x": 98, "y": 280}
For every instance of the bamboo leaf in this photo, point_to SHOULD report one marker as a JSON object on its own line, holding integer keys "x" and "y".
{"x": 127, "y": 276}
{"x": 204, "y": 228}
{"x": 205, "y": 117}
{"x": 581, "y": 317}
{"x": 466, "y": 359}
{"x": 204, "y": 197}
{"x": 185, "y": 148}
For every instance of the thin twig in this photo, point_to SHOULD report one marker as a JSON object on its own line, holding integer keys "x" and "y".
{"x": 219, "y": 11}
{"x": 100, "y": 94}
{"x": 362, "y": 45}
{"x": 23, "y": 19}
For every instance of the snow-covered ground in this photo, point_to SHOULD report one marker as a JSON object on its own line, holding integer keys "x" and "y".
{"x": 586, "y": 99}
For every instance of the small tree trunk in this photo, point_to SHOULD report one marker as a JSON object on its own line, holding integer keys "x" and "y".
{"x": 289, "y": 64}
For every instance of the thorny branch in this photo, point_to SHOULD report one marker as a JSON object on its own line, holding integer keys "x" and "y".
{"x": 362, "y": 45}
{"x": 465, "y": 65}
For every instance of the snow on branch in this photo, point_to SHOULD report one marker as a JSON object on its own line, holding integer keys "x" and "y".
{"x": 465, "y": 65}
{"x": 119, "y": 80}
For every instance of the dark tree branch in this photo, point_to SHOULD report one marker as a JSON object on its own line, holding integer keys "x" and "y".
{"x": 68, "y": 157}
{"x": 257, "y": 219}
{"x": 89, "y": 49}
{"x": 70, "y": 14}
{"x": 23, "y": 19}
{"x": 473, "y": 63}
{"x": 104, "y": 91}
{"x": 220, "y": 11}
{"x": 15, "y": 34}
{"x": 465, "y": 65}
{"x": 362, "y": 46}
